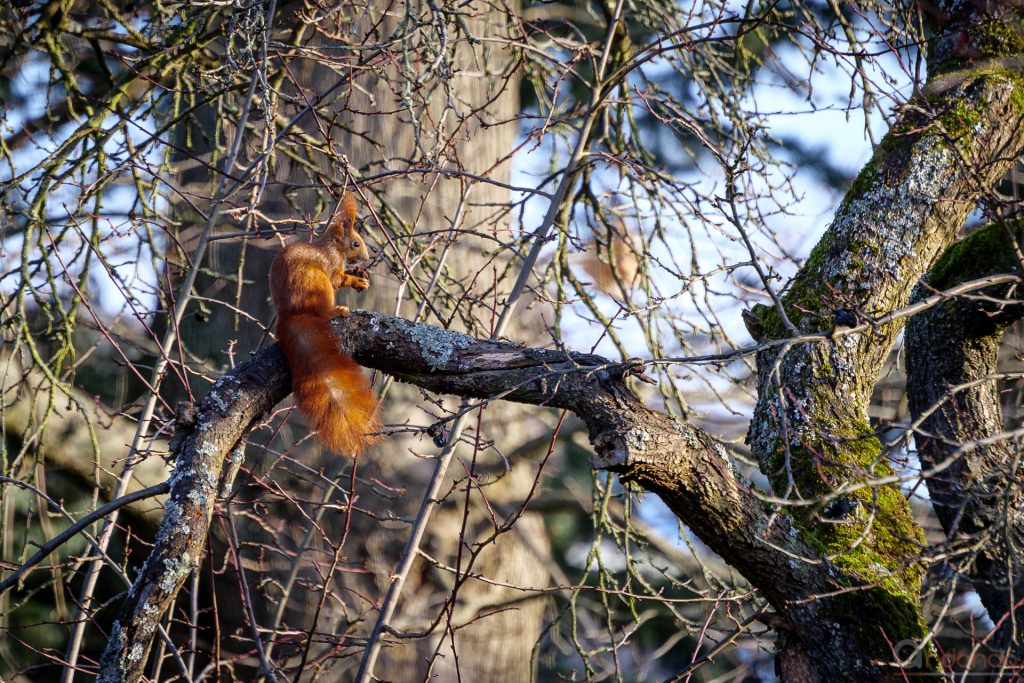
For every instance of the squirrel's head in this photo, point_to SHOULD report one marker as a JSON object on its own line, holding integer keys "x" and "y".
{"x": 343, "y": 233}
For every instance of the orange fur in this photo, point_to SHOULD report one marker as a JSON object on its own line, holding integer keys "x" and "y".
{"x": 329, "y": 387}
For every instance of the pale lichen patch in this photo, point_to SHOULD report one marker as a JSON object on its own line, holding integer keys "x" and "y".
{"x": 175, "y": 570}
{"x": 225, "y": 393}
{"x": 637, "y": 439}
{"x": 210, "y": 477}
{"x": 206, "y": 448}
{"x": 197, "y": 498}
{"x": 892, "y": 212}
{"x": 437, "y": 346}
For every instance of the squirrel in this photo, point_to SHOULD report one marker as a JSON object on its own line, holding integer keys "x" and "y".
{"x": 329, "y": 387}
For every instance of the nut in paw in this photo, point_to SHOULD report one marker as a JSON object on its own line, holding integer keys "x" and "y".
{"x": 362, "y": 279}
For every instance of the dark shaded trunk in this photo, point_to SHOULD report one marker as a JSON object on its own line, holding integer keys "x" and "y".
{"x": 953, "y": 384}
{"x": 810, "y": 430}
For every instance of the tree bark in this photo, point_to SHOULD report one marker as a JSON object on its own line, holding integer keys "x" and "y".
{"x": 224, "y": 418}
{"x": 953, "y": 385}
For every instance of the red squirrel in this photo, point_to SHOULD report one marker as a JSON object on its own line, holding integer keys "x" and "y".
{"x": 329, "y": 387}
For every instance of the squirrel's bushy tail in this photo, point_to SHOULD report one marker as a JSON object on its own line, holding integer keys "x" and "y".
{"x": 329, "y": 387}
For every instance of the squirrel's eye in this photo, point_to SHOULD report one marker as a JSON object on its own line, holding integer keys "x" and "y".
{"x": 355, "y": 243}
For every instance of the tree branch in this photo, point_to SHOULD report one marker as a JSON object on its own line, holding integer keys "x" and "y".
{"x": 235, "y": 403}
{"x": 685, "y": 466}
{"x": 955, "y": 397}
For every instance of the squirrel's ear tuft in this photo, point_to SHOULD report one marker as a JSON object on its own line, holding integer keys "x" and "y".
{"x": 346, "y": 219}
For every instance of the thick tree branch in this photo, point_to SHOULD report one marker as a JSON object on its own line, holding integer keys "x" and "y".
{"x": 978, "y": 499}
{"x": 682, "y": 464}
{"x": 235, "y": 403}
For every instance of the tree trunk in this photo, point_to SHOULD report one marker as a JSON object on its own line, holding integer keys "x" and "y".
{"x": 388, "y": 133}
{"x": 810, "y": 430}
{"x": 954, "y": 400}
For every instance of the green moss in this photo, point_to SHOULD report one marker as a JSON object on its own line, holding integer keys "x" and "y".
{"x": 809, "y": 304}
{"x": 801, "y": 299}
{"x": 869, "y": 534}
{"x": 872, "y": 543}
{"x": 999, "y": 34}
{"x": 881, "y": 617}
{"x": 877, "y": 560}
{"x": 859, "y": 248}
{"x": 962, "y": 120}
{"x": 864, "y": 180}
{"x": 1014, "y": 77}
{"x": 998, "y": 38}
{"x": 1017, "y": 96}
{"x": 984, "y": 251}
{"x": 884, "y": 585}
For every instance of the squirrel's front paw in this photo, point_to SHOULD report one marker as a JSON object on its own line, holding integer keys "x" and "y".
{"x": 360, "y": 284}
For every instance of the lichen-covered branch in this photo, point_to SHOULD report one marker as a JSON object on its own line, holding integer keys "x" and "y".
{"x": 223, "y": 418}
{"x": 955, "y": 396}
